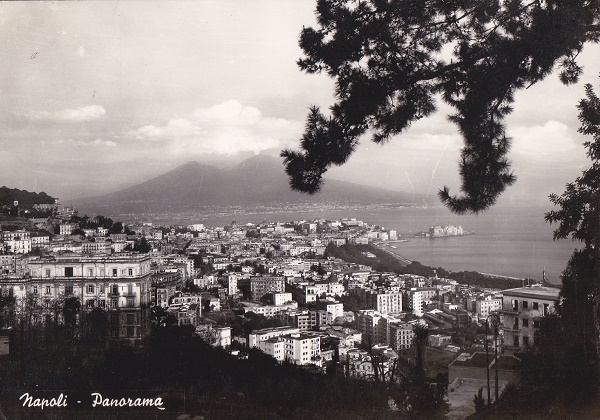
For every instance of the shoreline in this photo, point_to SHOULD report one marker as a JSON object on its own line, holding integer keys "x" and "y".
{"x": 382, "y": 247}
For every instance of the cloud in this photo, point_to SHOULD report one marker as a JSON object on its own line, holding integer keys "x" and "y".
{"x": 84, "y": 113}
{"x": 82, "y": 143}
{"x": 551, "y": 142}
{"x": 225, "y": 128}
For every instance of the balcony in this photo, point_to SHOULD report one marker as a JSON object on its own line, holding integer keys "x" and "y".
{"x": 129, "y": 294}
{"x": 113, "y": 294}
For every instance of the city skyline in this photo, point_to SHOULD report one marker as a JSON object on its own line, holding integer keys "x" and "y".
{"x": 100, "y": 96}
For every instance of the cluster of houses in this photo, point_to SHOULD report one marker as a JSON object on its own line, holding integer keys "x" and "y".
{"x": 277, "y": 270}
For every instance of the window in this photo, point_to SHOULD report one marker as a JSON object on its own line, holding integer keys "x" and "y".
{"x": 130, "y": 319}
{"x": 35, "y": 290}
{"x": 546, "y": 309}
{"x": 131, "y": 271}
{"x": 535, "y": 306}
{"x": 90, "y": 272}
{"x": 525, "y": 304}
{"x": 526, "y": 322}
{"x": 47, "y": 272}
{"x": 515, "y": 305}
{"x": 526, "y": 341}
{"x": 68, "y": 271}
{"x": 516, "y": 341}
{"x": 101, "y": 289}
{"x": 68, "y": 289}
{"x": 536, "y": 324}
{"x": 130, "y": 302}
{"x": 47, "y": 290}
{"x": 115, "y": 272}
{"x": 90, "y": 303}
{"x": 115, "y": 303}
{"x": 115, "y": 289}
{"x": 102, "y": 303}
{"x": 90, "y": 288}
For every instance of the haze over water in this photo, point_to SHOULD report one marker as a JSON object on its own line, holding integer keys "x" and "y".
{"x": 510, "y": 241}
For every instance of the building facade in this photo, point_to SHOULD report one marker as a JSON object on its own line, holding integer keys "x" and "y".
{"x": 120, "y": 285}
{"x": 522, "y": 311}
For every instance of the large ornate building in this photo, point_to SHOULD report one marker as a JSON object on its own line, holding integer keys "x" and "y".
{"x": 118, "y": 284}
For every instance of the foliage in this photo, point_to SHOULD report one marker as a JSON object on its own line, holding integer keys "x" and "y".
{"x": 479, "y": 401}
{"x": 388, "y": 61}
{"x": 96, "y": 325}
{"x": 578, "y": 216}
{"x": 25, "y": 198}
{"x": 71, "y": 308}
{"x": 563, "y": 366}
{"x": 117, "y": 228}
{"x": 142, "y": 246}
{"x": 579, "y": 210}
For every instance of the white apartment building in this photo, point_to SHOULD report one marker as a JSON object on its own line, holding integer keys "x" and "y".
{"x": 522, "y": 310}
{"x": 281, "y": 298}
{"x": 257, "y": 336}
{"x": 302, "y": 348}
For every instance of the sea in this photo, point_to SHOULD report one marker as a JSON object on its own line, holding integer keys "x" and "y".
{"x": 512, "y": 241}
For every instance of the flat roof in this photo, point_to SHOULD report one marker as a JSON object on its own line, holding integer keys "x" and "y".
{"x": 534, "y": 291}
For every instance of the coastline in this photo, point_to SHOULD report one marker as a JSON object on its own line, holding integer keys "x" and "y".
{"x": 382, "y": 246}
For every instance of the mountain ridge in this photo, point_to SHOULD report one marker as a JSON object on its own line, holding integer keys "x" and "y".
{"x": 257, "y": 181}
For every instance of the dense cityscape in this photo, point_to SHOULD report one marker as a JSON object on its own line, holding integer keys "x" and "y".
{"x": 273, "y": 286}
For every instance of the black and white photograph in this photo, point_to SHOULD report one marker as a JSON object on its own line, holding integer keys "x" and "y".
{"x": 300, "y": 209}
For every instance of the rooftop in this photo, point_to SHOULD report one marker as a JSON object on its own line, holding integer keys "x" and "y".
{"x": 534, "y": 291}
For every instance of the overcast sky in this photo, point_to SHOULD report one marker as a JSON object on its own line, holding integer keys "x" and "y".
{"x": 97, "y": 96}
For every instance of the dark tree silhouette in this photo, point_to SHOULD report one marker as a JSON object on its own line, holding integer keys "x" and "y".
{"x": 578, "y": 216}
{"x": 385, "y": 57}
{"x": 71, "y": 308}
{"x": 569, "y": 346}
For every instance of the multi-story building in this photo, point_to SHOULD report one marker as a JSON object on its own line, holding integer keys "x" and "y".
{"x": 120, "y": 285}
{"x": 18, "y": 244}
{"x": 394, "y": 332}
{"x": 522, "y": 311}
{"x": 257, "y": 287}
{"x": 415, "y": 299}
{"x": 366, "y": 322}
{"x": 164, "y": 285}
{"x": 257, "y": 336}
{"x": 232, "y": 285}
{"x": 8, "y": 263}
{"x": 67, "y": 228}
{"x": 387, "y": 302}
{"x": 186, "y": 314}
{"x": 383, "y": 301}
{"x": 281, "y": 298}
{"x": 388, "y": 329}
{"x": 302, "y": 348}
{"x": 97, "y": 247}
{"x": 485, "y": 306}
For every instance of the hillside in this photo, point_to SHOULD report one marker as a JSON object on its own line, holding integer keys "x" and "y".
{"x": 257, "y": 181}
{"x": 25, "y": 198}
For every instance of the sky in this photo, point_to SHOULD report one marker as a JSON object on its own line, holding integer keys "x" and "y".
{"x": 98, "y": 96}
